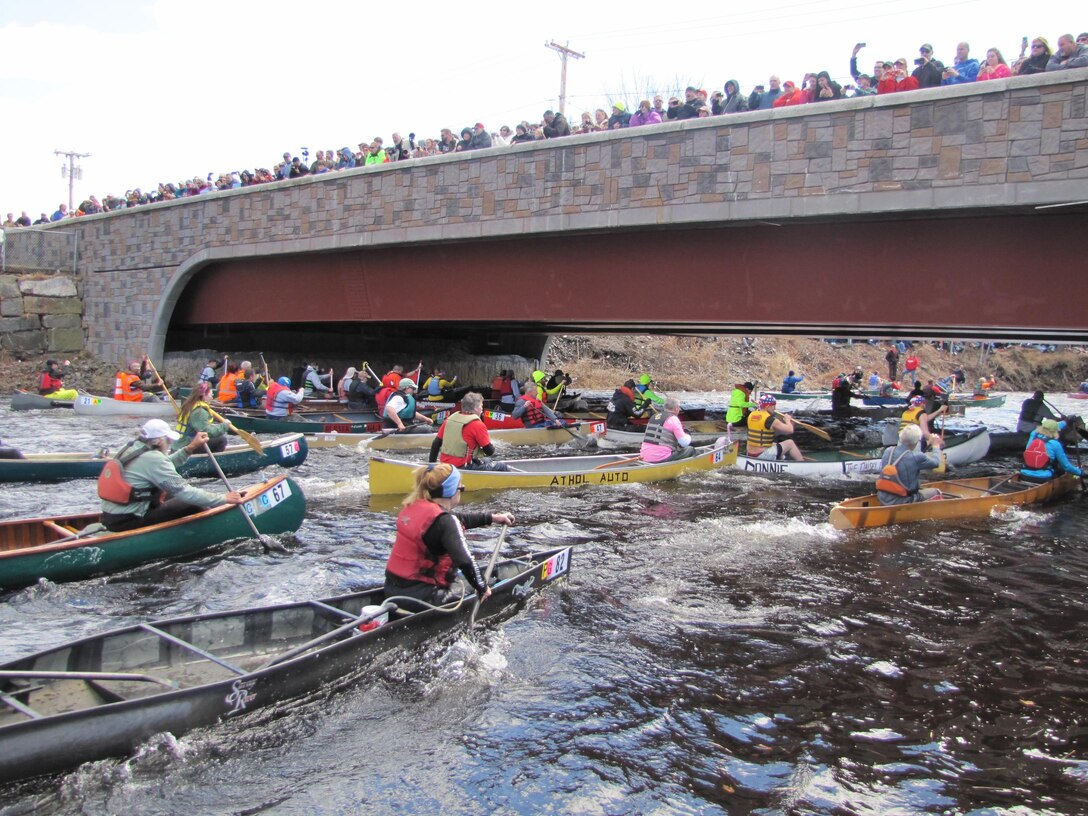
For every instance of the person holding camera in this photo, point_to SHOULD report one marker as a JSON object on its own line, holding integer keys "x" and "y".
{"x": 963, "y": 69}
{"x": 929, "y": 71}
{"x": 896, "y": 79}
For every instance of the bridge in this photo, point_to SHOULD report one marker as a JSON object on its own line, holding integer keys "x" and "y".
{"x": 937, "y": 213}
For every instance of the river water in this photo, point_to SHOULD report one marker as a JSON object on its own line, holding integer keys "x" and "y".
{"x": 718, "y": 648}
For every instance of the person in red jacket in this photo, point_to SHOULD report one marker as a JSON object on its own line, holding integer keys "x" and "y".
{"x": 463, "y": 440}
{"x": 430, "y": 546}
{"x": 790, "y": 96}
{"x": 897, "y": 79}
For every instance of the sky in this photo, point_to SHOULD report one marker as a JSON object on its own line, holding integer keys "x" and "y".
{"x": 161, "y": 91}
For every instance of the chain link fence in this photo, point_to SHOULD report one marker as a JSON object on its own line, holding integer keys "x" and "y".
{"x": 32, "y": 250}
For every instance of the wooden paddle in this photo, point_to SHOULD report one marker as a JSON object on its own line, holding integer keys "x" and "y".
{"x": 487, "y": 574}
{"x": 215, "y": 463}
{"x": 993, "y": 489}
{"x": 618, "y": 462}
{"x": 820, "y": 432}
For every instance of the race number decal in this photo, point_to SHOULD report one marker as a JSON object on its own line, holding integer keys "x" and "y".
{"x": 289, "y": 449}
{"x": 555, "y": 566}
{"x": 269, "y": 499}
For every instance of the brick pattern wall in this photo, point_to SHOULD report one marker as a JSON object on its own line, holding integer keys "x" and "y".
{"x": 1018, "y": 141}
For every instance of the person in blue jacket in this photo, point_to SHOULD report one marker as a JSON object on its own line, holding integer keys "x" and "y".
{"x": 1047, "y": 460}
{"x": 789, "y": 382}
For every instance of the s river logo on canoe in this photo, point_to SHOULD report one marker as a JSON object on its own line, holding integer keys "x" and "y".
{"x": 240, "y": 695}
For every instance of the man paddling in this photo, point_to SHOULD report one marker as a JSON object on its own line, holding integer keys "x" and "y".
{"x": 916, "y": 415}
{"x": 532, "y": 412}
{"x": 401, "y": 408}
{"x": 902, "y": 466}
{"x": 763, "y": 424}
{"x": 132, "y": 485}
{"x": 463, "y": 440}
{"x": 1033, "y": 410}
{"x": 739, "y": 404}
{"x": 129, "y": 386}
{"x": 622, "y": 411}
{"x": 51, "y": 384}
{"x": 666, "y": 440}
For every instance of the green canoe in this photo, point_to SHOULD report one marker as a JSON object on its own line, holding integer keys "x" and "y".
{"x": 289, "y": 450}
{"x": 59, "y": 549}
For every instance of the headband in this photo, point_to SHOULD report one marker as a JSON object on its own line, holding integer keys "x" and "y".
{"x": 448, "y": 488}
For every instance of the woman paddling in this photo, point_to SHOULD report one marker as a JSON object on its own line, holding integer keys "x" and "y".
{"x": 430, "y": 544}
{"x": 195, "y": 416}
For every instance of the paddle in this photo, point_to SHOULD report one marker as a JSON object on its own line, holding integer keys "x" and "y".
{"x": 264, "y": 365}
{"x": 820, "y": 432}
{"x": 215, "y": 463}
{"x": 487, "y": 574}
{"x": 245, "y": 436}
{"x": 993, "y": 489}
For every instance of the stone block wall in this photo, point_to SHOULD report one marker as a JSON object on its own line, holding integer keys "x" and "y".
{"x": 41, "y": 314}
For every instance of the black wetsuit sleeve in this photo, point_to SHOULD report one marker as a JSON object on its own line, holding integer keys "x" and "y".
{"x": 436, "y": 446}
{"x": 488, "y": 449}
{"x": 446, "y": 535}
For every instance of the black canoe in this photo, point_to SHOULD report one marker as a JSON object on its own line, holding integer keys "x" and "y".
{"x": 104, "y": 695}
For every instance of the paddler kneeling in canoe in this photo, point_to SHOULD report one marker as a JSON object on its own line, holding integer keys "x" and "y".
{"x": 902, "y": 464}
{"x": 430, "y": 545}
{"x": 463, "y": 440}
{"x": 763, "y": 424}
{"x": 195, "y": 416}
{"x": 133, "y": 483}
{"x": 666, "y": 440}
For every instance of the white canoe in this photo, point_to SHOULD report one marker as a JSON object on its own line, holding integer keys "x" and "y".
{"x": 961, "y": 449}
{"x": 88, "y": 405}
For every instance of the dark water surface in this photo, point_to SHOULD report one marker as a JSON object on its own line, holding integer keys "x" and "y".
{"x": 718, "y": 648}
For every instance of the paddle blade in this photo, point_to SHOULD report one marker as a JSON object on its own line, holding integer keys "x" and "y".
{"x": 250, "y": 440}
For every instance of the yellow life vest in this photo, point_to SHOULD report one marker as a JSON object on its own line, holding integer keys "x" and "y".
{"x": 910, "y": 417}
{"x": 760, "y": 434}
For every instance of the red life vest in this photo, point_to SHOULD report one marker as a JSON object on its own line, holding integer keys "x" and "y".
{"x": 410, "y": 558}
{"x": 270, "y": 397}
{"x": 49, "y": 384}
{"x": 534, "y": 414}
{"x": 1036, "y": 455}
{"x": 114, "y": 487}
{"x": 382, "y": 397}
{"x": 392, "y": 379}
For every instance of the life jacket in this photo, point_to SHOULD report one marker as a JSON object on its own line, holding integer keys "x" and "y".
{"x": 433, "y": 386}
{"x": 207, "y": 375}
{"x": 910, "y": 417}
{"x": 888, "y": 481}
{"x": 392, "y": 380}
{"x": 760, "y": 432}
{"x": 656, "y": 434}
{"x": 410, "y": 558}
{"x": 122, "y": 387}
{"x": 500, "y": 387}
{"x": 114, "y": 487}
{"x": 1036, "y": 456}
{"x": 382, "y": 397}
{"x": 228, "y": 387}
{"x": 406, "y": 413}
{"x": 49, "y": 384}
{"x": 453, "y": 438}
{"x": 247, "y": 397}
{"x": 1030, "y": 411}
{"x": 182, "y": 426}
{"x": 534, "y": 412}
{"x": 275, "y": 388}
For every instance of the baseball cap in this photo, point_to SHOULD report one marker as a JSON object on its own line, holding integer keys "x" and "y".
{"x": 157, "y": 429}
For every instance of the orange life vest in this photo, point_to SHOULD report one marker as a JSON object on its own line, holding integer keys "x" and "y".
{"x": 123, "y": 390}
{"x": 228, "y": 387}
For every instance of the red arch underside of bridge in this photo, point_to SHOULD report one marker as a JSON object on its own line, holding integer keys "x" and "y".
{"x": 1000, "y": 271}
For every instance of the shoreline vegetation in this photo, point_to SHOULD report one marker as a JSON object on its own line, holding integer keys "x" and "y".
{"x": 702, "y": 363}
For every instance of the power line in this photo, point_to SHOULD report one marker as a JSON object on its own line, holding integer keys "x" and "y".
{"x": 71, "y": 171}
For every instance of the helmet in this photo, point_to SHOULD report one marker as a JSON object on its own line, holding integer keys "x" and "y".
{"x": 767, "y": 399}
{"x": 406, "y": 383}
{"x": 284, "y": 381}
{"x": 645, "y": 379}
{"x": 917, "y": 399}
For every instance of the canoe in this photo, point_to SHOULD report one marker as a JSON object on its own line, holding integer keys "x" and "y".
{"x": 703, "y": 432}
{"x": 88, "y": 405}
{"x": 516, "y": 437}
{"x": 104, "y": 695}
{"x": 884, "y": 401}
{"x": 1077, "y": 395}
{"x": 963, "y": 499}
{"x": 960, "y": 449}
{"x": 971, "y": 401}
{"x": 346, "y": 422}
{"x": 26, "y": 401}
{"x": 287, "y": 451}
{"x": 556, "y": 472}
{"x": 55, "y": 548}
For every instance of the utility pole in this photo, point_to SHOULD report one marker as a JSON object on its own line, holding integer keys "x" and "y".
{"x": 564, "y": 52}
{"x": 71, "y": 171}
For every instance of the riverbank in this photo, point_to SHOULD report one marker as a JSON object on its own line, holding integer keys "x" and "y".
{"x": 699, "y": 363}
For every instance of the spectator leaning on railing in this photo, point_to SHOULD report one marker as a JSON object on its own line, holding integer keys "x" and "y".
{"x": 963, "y": 68}
{"x": 1070, "y": 54}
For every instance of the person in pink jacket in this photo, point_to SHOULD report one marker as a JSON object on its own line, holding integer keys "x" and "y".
{"x": 645, "y": 115}
{"x": 995, "y": 67}
{"x": 666, "y": 440}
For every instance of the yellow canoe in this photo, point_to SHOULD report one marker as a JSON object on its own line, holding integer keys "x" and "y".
{"x": 557, "y": 473}
{"x": 963, "y": 499}
{"x": 521, "y": 437}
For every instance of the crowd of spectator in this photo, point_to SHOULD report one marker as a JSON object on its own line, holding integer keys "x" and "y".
{"x": 888, "y": 76}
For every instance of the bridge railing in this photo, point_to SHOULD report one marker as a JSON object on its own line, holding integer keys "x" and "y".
{"x": 30, "y": 250}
